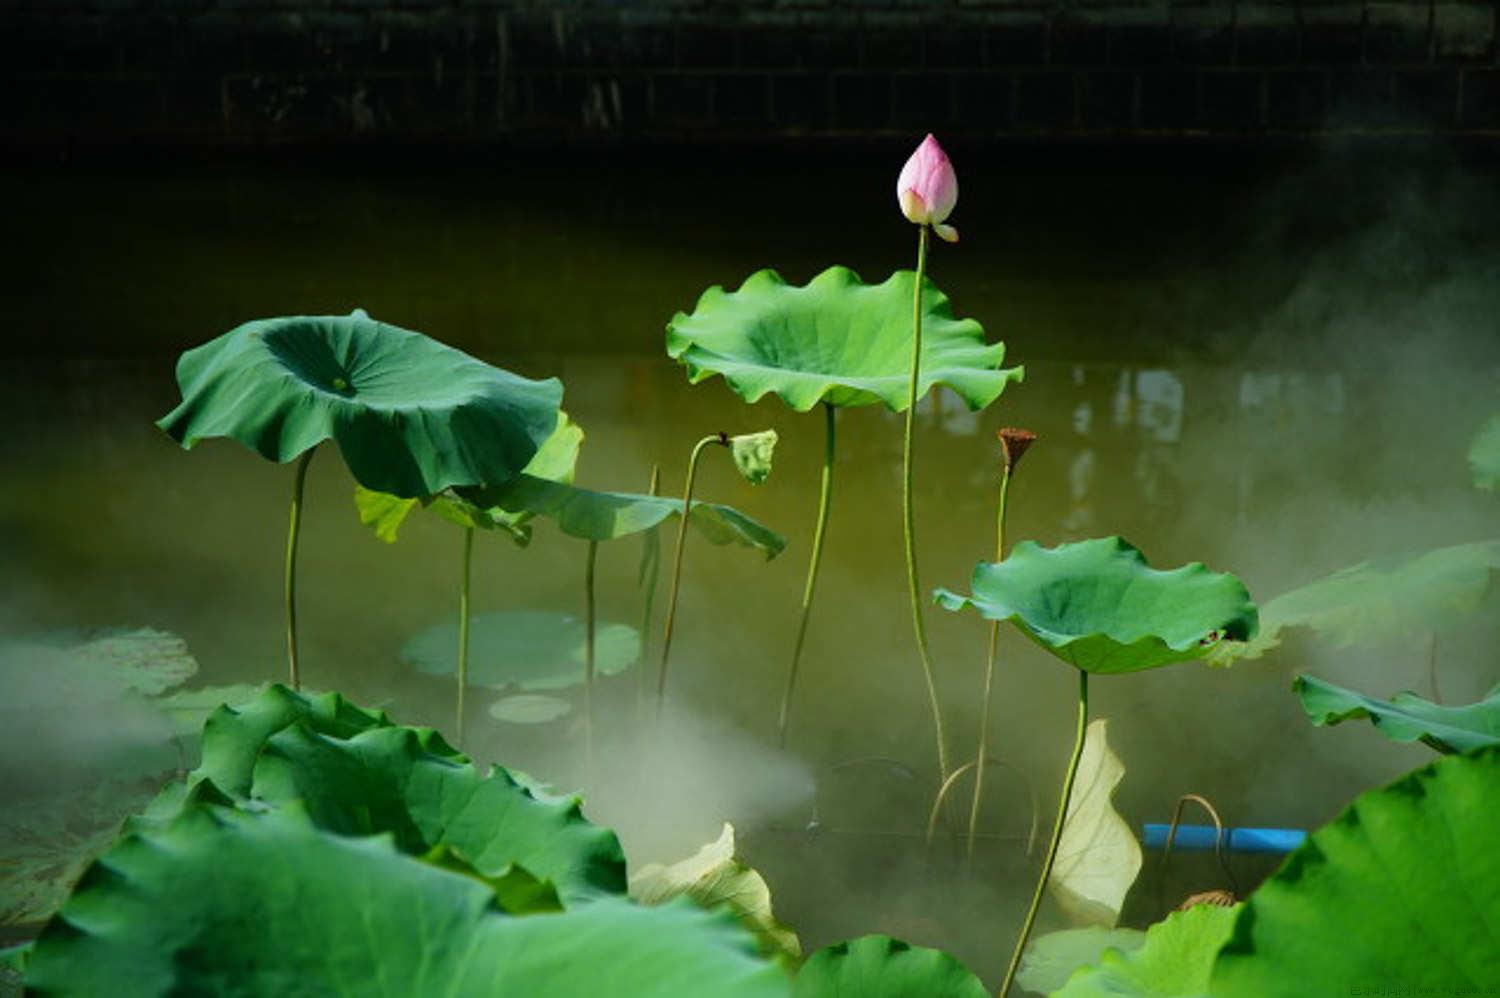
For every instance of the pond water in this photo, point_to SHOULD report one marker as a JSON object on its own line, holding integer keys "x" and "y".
{"x": 1268, "y": 363}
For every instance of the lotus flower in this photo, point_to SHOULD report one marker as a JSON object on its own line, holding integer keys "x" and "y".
{"x": 927, "y": 189}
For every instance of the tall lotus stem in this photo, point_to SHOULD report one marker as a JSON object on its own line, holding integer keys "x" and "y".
{"x": 463, "y": 628}
{"x": 650, "y": 573}
{"x": 290, "y": 587}
{"x": 722, "y": 439}
{"x": 913, "y": 586}
{"x": 1014, "y": 442}
{"x": 588, "y": 660}
{"x": 1062, "y": 817}
{"x": 825, "y": 495}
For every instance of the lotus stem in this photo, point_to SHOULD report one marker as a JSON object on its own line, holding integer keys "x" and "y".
{"x": 1057, "y": 827}
{"x": 589, "y": 617}
{"x": 651, "y": 573}
{"x": 989, "y": 673}
{"x": 937, "y": 804}
{"x": 682, "y": 528}
{"x": 290, "y": 587}
{"x": 825, "y": 495}
{"x": 913, "y": 586}
{"x": 463, "y": 628}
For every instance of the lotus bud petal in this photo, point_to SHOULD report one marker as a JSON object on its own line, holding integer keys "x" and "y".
{"x": 752, "y": 454}
{"x": 927, "y": 189}
{"x": 946, "y": 233}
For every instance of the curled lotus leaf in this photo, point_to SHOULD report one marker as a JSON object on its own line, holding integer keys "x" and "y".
{"x": 882, "y": 967}
{"x": 1405, "y": 717}
{"x": 836, "y": 340}
{"x": 1173, "y": 960}
{"x": 1098, "y": 605}
{"x": 410, "y": 415}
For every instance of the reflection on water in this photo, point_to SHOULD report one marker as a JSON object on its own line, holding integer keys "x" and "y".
{"x": 1277, "y": 461}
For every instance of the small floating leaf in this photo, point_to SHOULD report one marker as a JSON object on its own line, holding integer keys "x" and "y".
{"x": 1099, "y": 606}
{"x": 528, "y": 649}
{"x": 530, "y": 708}
{"x": 835, "y": 340}
{"x": 1405, "y": 717}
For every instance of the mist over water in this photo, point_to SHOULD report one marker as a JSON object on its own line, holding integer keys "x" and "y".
{"x": 1272, "y": 366}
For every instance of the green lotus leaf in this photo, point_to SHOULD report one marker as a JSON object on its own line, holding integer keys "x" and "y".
{"x": 605, "y": 516}
{"x": 530, "y": 708}
{"x": 226, "y": 902}
{"x": 517, "y": 891}
{"x": 1098, "y": 606}
{"x": 1402, "y": 888}
{"x": 556, "y": 460}
{"x": 715, "y": 876}
{"x": 410, "y": 416}
{"x": 882, "y": 967}
{"x": 1052, "y": 958}
{"x": 835, "y": 340}
{"x": 1379, "y": 600}
{"x": 1174, "y": 961}
{"x": 1405, "y": 717}
{"x": 528, "y": 649}
{"x": 1484, "y": 455}
{"x": 187, "y": 710}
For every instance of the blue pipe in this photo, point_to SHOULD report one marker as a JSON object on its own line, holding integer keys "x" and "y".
{"x": 1200, "y": 837}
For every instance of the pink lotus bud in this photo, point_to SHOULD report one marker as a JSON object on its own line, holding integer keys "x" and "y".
{"x": 927, "y": 189}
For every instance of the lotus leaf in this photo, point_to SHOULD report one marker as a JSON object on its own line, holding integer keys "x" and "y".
{"x": 1053, "y": 958}
{"x": 1174, "y": 961}
{"x": 410, "y": 416}
{"x": 1099, "y": 606}
{"x": 1380, "y": 599}
{"x": 530, "y": 708}
{"x": 1484, "y": 455}
{"x": 882, "y": 967}
{"x": 226, "y": 902}
{"x": 529, "y": 649}
{"x": 187, "y": 710}
{"x": 605, "y": 516}
{"x": 1098, "y": 856}
{"x": 716, "y": 876}
{"x": 835, "y": 340}
{"x": 1402, "y": 888}
{"x": 1405, "y": 717}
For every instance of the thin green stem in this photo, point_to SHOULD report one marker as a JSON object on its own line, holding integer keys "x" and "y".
{"x": 989, "y": 673}
{"x": 825, "y": 496}
{"x": 1062, "y": 817}
{"x": 589, "y": 617}
{"x": 682, "y": 528}
{"x": 650, "y": 574}
{"x": 463, "y": 628}
{"x": 914, "y": 587}
{"x": 290, "y": 588}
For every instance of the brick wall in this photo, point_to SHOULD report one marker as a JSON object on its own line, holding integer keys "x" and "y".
{"x": 552, "y": 70}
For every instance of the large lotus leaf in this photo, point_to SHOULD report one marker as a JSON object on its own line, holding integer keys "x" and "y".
{"x": 715, "y": 876}
{"x": 222, "y": 902}
{"x": 605, "y": 516}
{"x": 1174, "y": 961}
{"x": 835, "y": 340}
{"x": 1378, "y": 600}
{"x": 1098, "y": 856}
{"x": 1405, "y": 717}
{"x": 882, "y": 967}
{"x": 1098, "y": 606}
{"x": 529, "y": 649}
{"x": 410, "y": 415}
{"x": 1484, "y": 455}
{"x": 1051, "y": 959}
{"x": 556, "y": 460}
{"x": 1402, "y": 888}
{"x": 385, "y": 780}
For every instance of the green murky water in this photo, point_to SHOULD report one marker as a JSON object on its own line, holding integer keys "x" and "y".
{"x": 1270, "y": 366}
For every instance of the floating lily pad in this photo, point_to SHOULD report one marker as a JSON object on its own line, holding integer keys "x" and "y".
{"x": 1484, "y": 455}
{"x": 882, "y": 967}
{"x": 530, "y": 708}
{"x": 410, "y": 415}
{"x": 1405, "y": 717}
{"x": 1099, "y": 606}
{"x": 1098, "y": 856}
{"x": 1403, "y": 887}
{"x": 836, "y": 339}
{"x": 1173, "y": 961}
{"x": 605, "y": 516}
{"x": 528, "y": 649}
{"x": 227, "y": 902}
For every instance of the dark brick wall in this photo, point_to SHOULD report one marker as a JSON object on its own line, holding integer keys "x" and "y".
{"x": 551, "y": 70}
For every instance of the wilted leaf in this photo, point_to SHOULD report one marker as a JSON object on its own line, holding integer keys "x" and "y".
{"x": 1098, "y": 856}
